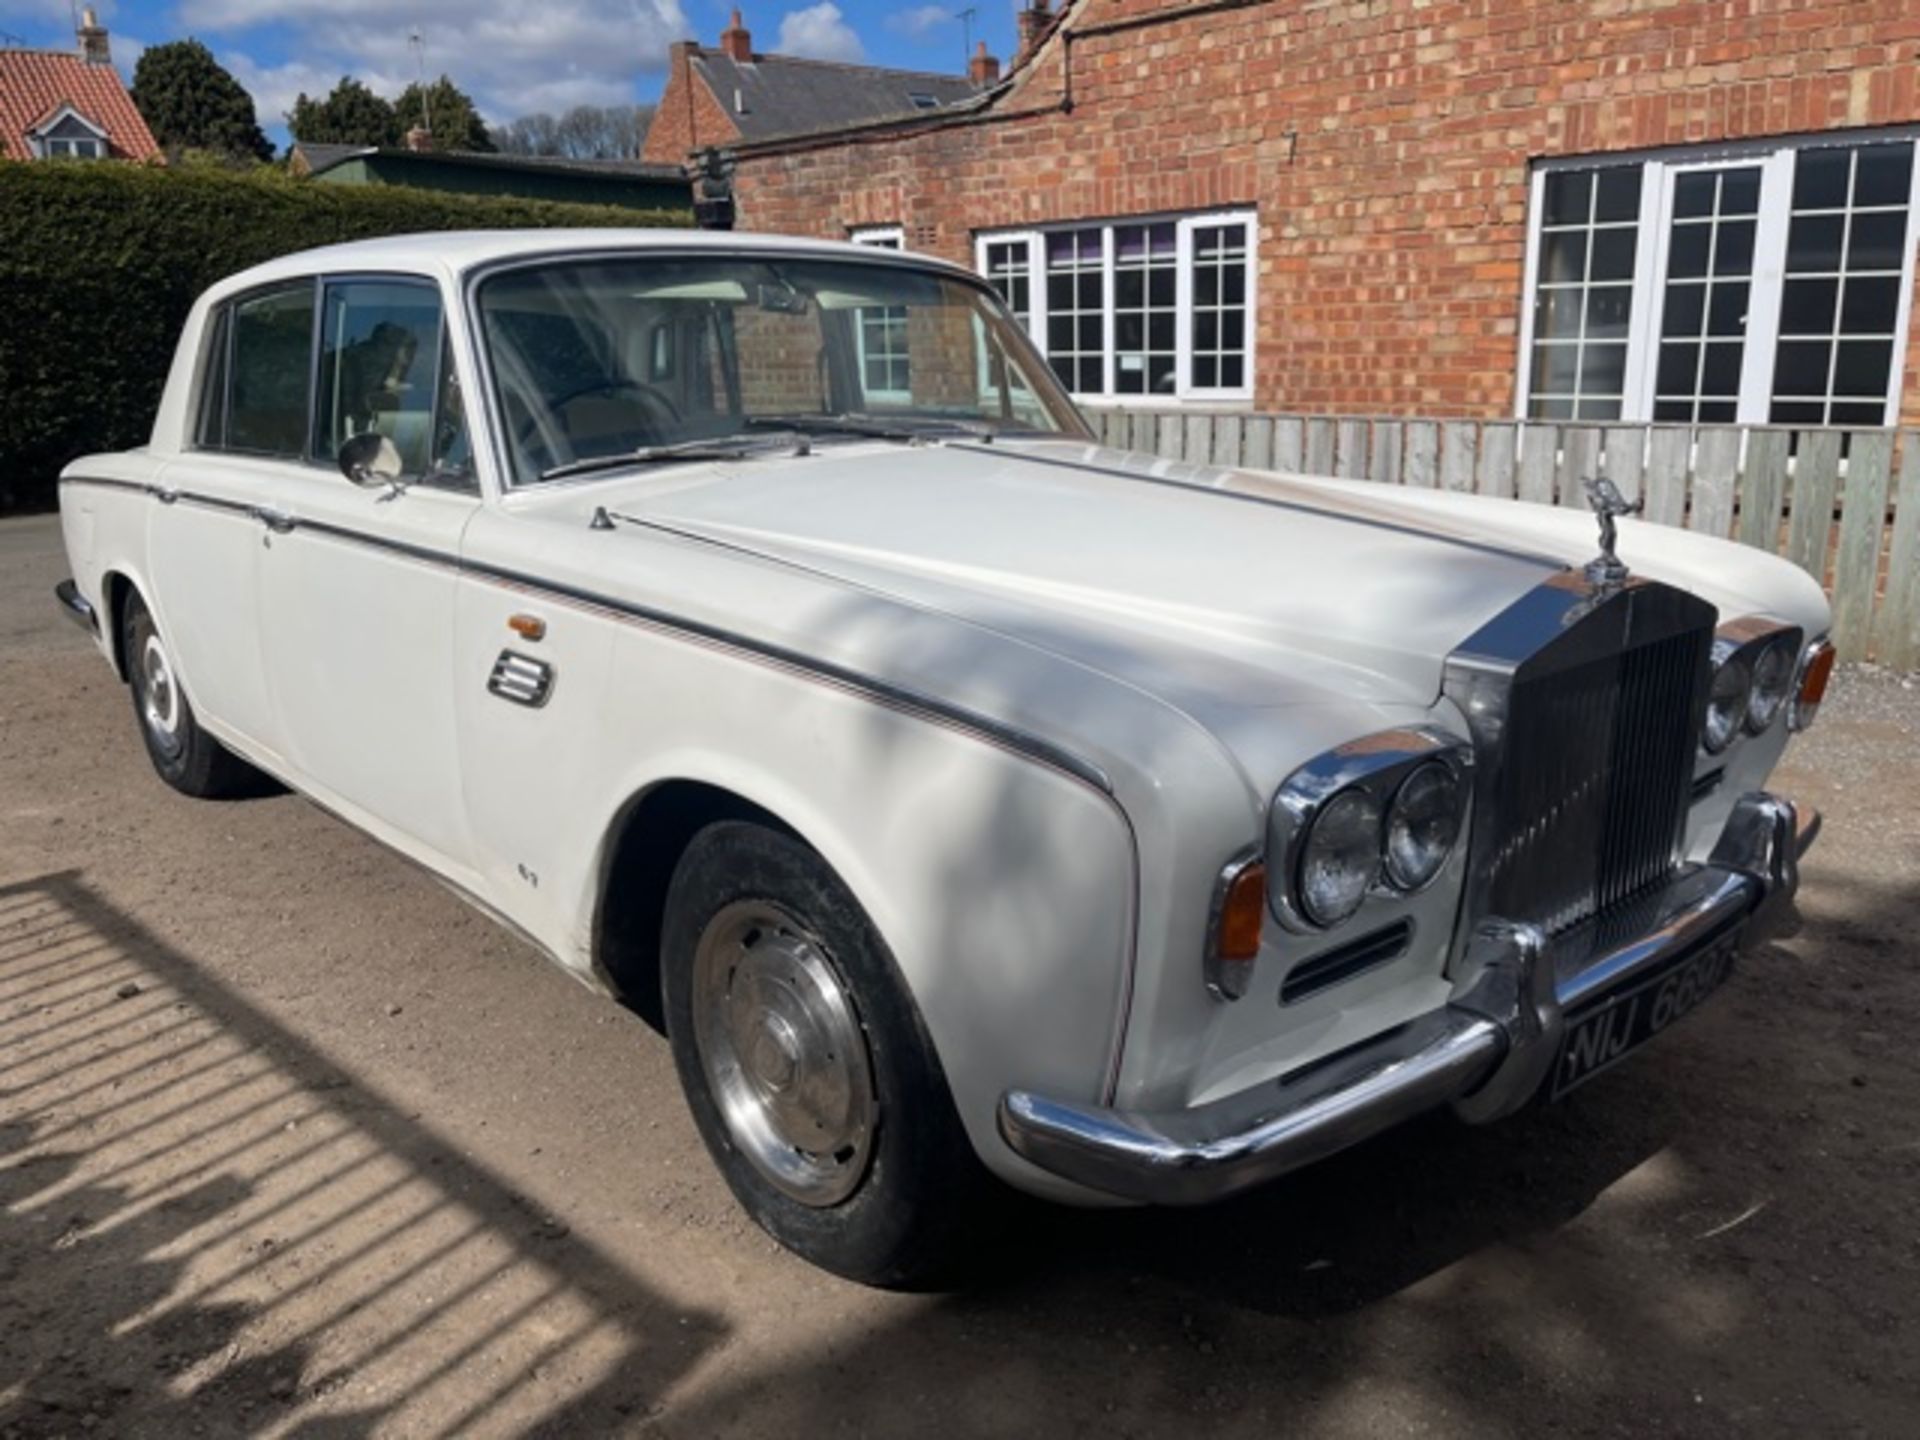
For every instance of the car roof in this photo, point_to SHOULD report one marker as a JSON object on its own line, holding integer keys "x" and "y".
{"x": 455, "y": 252}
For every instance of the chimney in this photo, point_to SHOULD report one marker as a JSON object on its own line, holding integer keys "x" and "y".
{"x": 419, "y": 139}
{"x": 983, "y": 70}
{"x": 93, "y": 39}
{"x": 1035, "y": 21}
{"x": 735, "y": 43}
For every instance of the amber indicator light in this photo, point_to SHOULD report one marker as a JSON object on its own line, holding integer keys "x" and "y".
{"x": 1813, "y": 684}
{"x": 1242, "y": 913}
{"x": 527, "y": 627}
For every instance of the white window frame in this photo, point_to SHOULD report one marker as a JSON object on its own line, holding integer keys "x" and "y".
{"x": 1659, "y": 168}
{"x": 1185, "y": 391}
{"x": 44, "y": 143}
{"x": 1030, "y": 242}
{"x": 880, "y": 237}
{"x": 876, "y": 237}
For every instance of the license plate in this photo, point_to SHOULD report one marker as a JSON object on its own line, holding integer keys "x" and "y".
{"x": 1630, "y": 1017}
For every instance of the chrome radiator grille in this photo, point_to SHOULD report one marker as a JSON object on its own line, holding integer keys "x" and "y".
{"x": 1585, "y": 710}
{"x": 1596, "y": 779}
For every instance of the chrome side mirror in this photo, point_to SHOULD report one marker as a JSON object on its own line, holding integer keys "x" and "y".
{"x": 372, "y": 462}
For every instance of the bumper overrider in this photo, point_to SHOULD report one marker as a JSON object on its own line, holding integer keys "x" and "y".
{"x": 1488, "y": 1051}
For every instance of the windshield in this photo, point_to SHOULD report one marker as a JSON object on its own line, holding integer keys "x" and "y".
{"x": 597, "y": 360}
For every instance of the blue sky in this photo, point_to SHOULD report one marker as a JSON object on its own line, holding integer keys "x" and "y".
{"x": 513, "y": 56}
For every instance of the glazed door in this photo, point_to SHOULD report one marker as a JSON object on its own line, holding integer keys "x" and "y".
{"x": 206, "y": 544}
{"x": 357, "y": 593}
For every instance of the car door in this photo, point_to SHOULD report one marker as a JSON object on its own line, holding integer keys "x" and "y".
{"x": 357, "y": 593}
{"x": 206, "y": 543}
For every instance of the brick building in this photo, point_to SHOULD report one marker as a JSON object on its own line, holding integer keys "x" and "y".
{"x": 726, "y": 94}
{"x": 1581, "y": 209}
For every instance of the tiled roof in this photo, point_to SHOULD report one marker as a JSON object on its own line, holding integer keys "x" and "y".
{"x": 779, "y": 95}
{"x": 34, "y": 84}
{"x": 321, "y": 158}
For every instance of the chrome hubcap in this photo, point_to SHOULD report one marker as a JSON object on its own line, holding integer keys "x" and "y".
{"x": 783, "y": 1051}
{"x": 162, "y": 707}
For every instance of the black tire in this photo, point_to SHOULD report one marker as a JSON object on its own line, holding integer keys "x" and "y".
{"x": 183, "y": 754}
{"x": 921, "y": 1196}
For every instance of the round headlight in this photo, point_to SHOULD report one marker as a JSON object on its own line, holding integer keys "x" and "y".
{"x": 1772, "y": 683}
{"x": 1422, "y": 823}
{"x": 1340, "y": 857}
{"x": 1726, "y": 703}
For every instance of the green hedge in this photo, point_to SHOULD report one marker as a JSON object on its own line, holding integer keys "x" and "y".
{"x": 99, "y": 264}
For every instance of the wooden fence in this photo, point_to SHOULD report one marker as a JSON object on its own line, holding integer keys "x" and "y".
{"x": 1844, "y": 505}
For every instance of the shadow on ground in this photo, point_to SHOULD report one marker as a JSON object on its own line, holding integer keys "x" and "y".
{"x": 266, "y": 1245}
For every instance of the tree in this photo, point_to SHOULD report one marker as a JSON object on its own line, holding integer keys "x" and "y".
{"x": 191, "y": 103}
{"x": 586, "y": 132}
{"x": 446, "y": 111}
{"x": 351, "y": 115}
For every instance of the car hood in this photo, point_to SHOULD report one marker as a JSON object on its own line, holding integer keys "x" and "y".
{"x": 1226, "y": 594}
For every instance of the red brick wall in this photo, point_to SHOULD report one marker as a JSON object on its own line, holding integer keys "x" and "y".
{"x": 1385, "y": 143}
{"x": 688, "y": 117}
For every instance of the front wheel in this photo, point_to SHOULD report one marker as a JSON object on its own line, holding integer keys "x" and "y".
{"x": 806, "y": 1065}
{"x": 184, "y": 755}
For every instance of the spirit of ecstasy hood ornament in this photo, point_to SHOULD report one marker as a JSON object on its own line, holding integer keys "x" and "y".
{"x": 1609, "y": 504}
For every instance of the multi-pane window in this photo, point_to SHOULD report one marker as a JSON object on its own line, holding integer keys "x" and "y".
{"x": 1588, "y": 234}
{"x": 882, "y": 334}
{"x": 1076, "y": 327}
{"x": 1747, "y": 284}
{"x": 1157, "y": 308}
{"x": 1703, "y": 328}
{"x": 1220, "y": 307}
{"x": 1846, "y": 271}
{"x": 1145, "y": 308}
{"x": 1008, "y": 266}
{"x": 69, "y": 137}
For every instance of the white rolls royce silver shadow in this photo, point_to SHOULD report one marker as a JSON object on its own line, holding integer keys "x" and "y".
{"x": 755, "y": 626}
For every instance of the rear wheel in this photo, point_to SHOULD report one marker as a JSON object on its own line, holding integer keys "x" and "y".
{"x": 184, "y": 755}
{"x": 807, "y": 1068}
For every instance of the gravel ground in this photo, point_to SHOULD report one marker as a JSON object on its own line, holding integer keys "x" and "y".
{"x": 291, "y": 1143}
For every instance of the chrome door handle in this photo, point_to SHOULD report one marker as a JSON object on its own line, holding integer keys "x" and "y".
{"x": 164, "y": 495}
{"x": 277, "y": 521}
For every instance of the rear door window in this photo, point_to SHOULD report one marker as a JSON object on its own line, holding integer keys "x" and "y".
{"x": 272, "y": 355}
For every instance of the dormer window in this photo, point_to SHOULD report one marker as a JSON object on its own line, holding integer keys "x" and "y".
{"x": 69, "y": 135}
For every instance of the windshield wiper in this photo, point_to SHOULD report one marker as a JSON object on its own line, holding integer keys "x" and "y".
{"x": 845, "y": 423}
{"x": 666, "y": 454}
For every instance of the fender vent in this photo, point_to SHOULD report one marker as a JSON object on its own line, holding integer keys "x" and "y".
{"x": 521, "y": 679}
{"x": 1347, "y": 961}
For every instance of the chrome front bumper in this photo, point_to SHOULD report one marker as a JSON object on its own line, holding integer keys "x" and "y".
{"x": 1488, "y": 1051}
{"x": 77, "y": 607}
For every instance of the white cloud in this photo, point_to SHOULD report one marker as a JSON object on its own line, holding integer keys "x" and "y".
{"x": 513, "y": 58}
{"x": 921, "y": 23}
{"x": 819, "y": 32}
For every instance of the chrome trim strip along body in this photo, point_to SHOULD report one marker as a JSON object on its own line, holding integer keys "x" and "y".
{"x": 1009, "y": 738}
{"x": 77, "y": 608}
{"x": 1488, "y": 1051}
{"x": 521, "y": 679}
{"x": 1376, "y": 762}
{"x": 1096, "y": 778}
